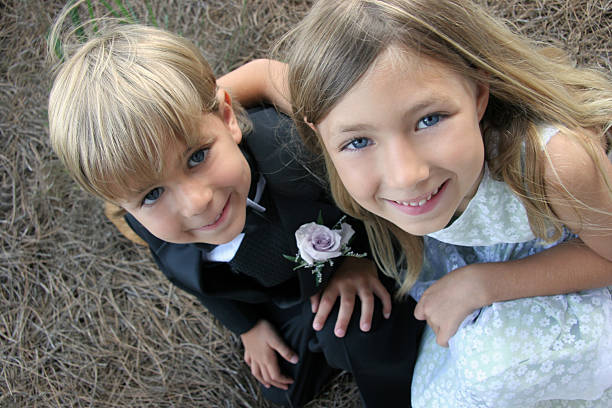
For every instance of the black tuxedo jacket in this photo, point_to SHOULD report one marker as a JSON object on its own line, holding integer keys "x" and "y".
{"x": 259, "y": 273}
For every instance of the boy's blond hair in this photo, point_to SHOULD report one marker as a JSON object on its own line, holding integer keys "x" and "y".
{"x": 120, "y": 99}
{"x": 336, "y": 44}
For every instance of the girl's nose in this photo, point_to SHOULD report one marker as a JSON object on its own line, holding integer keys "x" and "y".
{"x": 195, "y": 198}
{"x": 404, "y": 166}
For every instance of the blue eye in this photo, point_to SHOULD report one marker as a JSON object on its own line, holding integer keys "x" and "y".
{"x": 357, "y": 144}
{"x": 152, "y": 196}
{"x": 428, "y": 121}
{"x": 197, "y": 157}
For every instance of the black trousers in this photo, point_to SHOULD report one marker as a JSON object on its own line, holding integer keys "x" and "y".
{"x": 381, "y": 360}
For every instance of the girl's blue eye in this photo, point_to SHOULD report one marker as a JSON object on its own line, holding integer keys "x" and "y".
{"x": 197, "y": 157}
{"x": 152, "y": 196}
{"x": 429, "y": 121}
{"x": 358, "y": 143}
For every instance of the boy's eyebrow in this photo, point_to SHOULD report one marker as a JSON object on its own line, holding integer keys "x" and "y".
{"x": 183, "y": 156}
{"x": 187, "y": 151}
{"x": 138, "y": 192}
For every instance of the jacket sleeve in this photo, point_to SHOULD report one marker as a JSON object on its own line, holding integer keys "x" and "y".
{"x": 183, "y": 266}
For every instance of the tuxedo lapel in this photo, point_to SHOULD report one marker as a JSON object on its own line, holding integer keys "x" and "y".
{"x": 265, "y": 241}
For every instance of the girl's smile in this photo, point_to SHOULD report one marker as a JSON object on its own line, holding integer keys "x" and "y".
{"x": 420, "y": 205}
{"x": 406, "y": 141}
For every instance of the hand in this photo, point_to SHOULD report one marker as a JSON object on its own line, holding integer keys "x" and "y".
{"x": 356, "y": 276}
{"x": 261, "y": 344}
{"x": 446, "y": 303}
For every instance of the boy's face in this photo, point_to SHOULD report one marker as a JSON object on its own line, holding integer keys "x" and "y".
{"x": 202, "y": 195}
{"x": 406, "y": 142}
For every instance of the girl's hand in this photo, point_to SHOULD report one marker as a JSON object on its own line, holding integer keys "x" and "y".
{"x": 447, "y": 302}
{"x": 261, "y": 344}
{"x": 356, "y": 276}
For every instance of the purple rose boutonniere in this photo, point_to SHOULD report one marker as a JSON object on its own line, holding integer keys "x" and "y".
{"x": 318, "y": 245}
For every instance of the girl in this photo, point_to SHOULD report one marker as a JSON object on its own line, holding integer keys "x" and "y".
{"x": 483, "y": 158}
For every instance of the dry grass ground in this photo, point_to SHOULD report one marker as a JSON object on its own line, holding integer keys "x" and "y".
{"x": 86, "y": 319}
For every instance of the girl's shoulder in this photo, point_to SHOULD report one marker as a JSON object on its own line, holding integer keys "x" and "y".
{"x": 575, "y": 172}
{"x": 571, "y": 158}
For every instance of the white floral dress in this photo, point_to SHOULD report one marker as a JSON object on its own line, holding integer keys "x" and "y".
{"x": 547, "y": 351}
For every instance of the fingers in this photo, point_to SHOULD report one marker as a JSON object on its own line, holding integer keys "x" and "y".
{"x": 267, "y": 371}
{"x": 281, "y": 348}
{"x": 273, "y": 376}
{"x": 270, "y": 376}
{"x": 367, "y": 304}
{"x": 271, "y": 371}
{"x": 347, "y": 304}
{"x": 324, "y": 308}
{"x": 384, "y": 297}
{"x": 314, "y": 302}
{"x": 419, "y": 313}
{"x": 367, "y": 310}
{"x": 256, "y": 372}
{"x": 442, "y": 337}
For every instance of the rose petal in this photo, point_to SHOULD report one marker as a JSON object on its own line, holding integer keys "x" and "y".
{"x": 317, "y": 242}
{"x": 346, "y": 232}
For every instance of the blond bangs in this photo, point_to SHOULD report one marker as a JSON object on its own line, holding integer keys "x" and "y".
{"x": 121, "y": 100}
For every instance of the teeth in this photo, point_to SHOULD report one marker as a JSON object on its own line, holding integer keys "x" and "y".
{"x": 216, "y": 219}
{"x": 418, "y": 203}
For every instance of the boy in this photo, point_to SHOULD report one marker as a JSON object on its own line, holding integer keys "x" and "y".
{"x": 137, "y": 118}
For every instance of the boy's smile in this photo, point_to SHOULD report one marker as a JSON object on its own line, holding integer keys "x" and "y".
{"x": 219, "y": 219}
{"x": 406, "y": 141}
{"x": 202, "y": 194}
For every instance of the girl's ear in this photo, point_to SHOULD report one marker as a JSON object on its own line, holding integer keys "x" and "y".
{"x": 228, "y": 116}
{"x": 310, "y": 124}
{"x": 482, "y": 98}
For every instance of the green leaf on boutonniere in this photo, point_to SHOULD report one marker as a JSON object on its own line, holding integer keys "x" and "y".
{"x": 320, "y": 218}
{"x": 291, "y": 258}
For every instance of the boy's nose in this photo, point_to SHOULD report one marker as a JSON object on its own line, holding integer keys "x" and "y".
{"x": 404, "y": 166}
{"x": 195, "y": 198}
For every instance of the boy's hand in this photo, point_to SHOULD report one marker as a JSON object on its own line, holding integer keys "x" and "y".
{"x": 261, "y": 344}
{"x": 447, "y": 302}
{"x": 356, "y": 276}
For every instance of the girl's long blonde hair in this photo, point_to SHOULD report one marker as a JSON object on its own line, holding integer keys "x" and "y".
{"x": 332, "y": 48}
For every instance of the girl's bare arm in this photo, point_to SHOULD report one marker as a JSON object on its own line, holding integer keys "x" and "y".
{"x": 580, "y": 264}
{"x": 261, "y": 80}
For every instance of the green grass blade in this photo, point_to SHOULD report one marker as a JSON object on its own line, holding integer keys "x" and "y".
{"x": 76, "y": 22}
{"x": 110, "y": 8}
{"x": 126, "y": 14}
{"x": 151, "y": 15}
{"x": 92, "y": 16}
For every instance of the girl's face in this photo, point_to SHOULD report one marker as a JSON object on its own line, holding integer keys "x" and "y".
{"x": 202, "y": 195}
{"x": 406, "y": 141}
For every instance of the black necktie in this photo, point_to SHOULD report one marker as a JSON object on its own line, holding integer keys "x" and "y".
{"x": 265, "y": 241}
